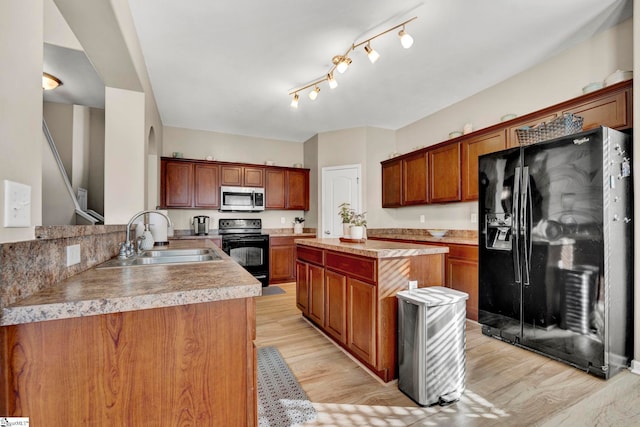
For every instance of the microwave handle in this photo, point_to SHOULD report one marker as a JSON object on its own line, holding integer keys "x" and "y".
{"x": 253, "y": 199}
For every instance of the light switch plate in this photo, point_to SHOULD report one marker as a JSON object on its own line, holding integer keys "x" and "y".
{"x": 17, "y": 204}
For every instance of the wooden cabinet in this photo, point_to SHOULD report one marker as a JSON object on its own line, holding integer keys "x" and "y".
{"x": 414, "y": 179}
{"x": 472, "y": 148}
{"x": 361, "y": 320}
{"x": 206, "y": 186}
{"x": 462, "y": 274}
{"x": 444, "y": 173}
{"x": 316, "y": 293}
{"x": 177, "y": 184}
{"x": 287, "y": 189}
{"x": 611, "y": 111}
{"x": 512, "y": 137}
{"x": 242, "y": 175}
{"x": 360, "y": 306}
{"x": 392, "y": 183}
{"x": 282, "y": 258}
{"x": 335, "y": 321}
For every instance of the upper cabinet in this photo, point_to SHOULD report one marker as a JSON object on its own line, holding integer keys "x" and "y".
{"x": 195, "y": 184}
{"x": 242, "y": 175}
{"x": 448, "y": 171}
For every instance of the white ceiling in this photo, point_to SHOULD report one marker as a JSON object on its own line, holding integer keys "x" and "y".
{"x": 228, "y": 66}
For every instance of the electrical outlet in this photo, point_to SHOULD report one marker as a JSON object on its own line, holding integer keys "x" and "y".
{"x": 413, "y": 284}
{"x": 73, "y": 255}
{"x": 422, "y": 219}
{"x": 282, "y": 220}
{"x": 474, "y": 218}
{"x": 17, "y": 204}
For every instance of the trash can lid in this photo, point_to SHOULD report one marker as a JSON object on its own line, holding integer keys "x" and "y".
{"x": 433, "y": 296}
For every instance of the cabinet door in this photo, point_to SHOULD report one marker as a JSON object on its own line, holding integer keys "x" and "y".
{"x": 207, "y": 186}
{"x": 361, "y": 315}
{"x": 608, "y": 111}
{"x": 231, "y": 175}
{"x": 316, "y": 294}
{"x": 462, "y": 275}
{"x": 392, "y": 184}
{"x": 512, "y": 138}
{"x": 471, "y": 149}
{"x": 178, "y": 184}
{"x": 298, "y": 189}
{"x": 444, "y": 174}
{"x": 414, "y": 179}
{"x": 253, "y": 176}
{"x": 281, "y": 267}
{"x": 302, "y": 287}
{"x": 275, "y": 189}
{"x": 335, "y": 322}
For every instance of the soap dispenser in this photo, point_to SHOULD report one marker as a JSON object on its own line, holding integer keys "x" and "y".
{"x": 147, "y": 243}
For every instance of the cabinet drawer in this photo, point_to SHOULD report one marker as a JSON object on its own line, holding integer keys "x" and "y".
{"x": 280, "y": 241}
{"x": 463, "y": 251}
{"x": 354, "y": 266}
{"x": 308, "y": 254}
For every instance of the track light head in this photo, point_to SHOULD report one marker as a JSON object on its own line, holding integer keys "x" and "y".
{"x": 294, "y": 101}
{"x": 341, "y": 62}
{"x": 314, "y": 93}
{"x": 333, "y": 83}
{"x": 371, "y": 53}
{"x": 405, "y": 39}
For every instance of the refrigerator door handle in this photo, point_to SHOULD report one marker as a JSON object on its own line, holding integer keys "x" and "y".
{"x": 526, "y": 222}
{"x": 515, "y": 225}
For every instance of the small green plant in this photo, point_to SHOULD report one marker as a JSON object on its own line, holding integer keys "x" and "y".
{"x": 346, "y": 213}
{"x": 359, "y": 220}
{"x": 298, "y": 220}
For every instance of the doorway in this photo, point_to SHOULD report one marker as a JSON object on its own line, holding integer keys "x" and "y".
{"x": 340, "y": 184}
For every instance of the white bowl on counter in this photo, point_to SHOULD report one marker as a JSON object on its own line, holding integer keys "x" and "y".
{"x": 437, "y": 232}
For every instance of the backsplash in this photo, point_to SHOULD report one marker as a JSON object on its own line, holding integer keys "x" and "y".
{"x": 29, "y": 266}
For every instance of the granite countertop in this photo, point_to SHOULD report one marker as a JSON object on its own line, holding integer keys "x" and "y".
{"x": 459, "y": 237}
{"x": 111, "y": 290}
{"x": 375, "y": 248}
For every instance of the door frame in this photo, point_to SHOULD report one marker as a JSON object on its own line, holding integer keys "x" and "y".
{"x": 325, "y": 170}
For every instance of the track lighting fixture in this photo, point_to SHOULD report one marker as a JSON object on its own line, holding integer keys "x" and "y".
{"x": 371, "y": 53}
{"x": 333, "y": 83}
{"x": 341, "y": 62}
{"x": 50, "y": 82}
{"x": 314, "y": 93}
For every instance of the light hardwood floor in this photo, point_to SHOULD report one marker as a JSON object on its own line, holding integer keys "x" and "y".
{"x": 505, "y": 385}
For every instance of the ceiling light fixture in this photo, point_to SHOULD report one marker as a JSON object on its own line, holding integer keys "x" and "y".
{"x": 50, "y": 82}
{"x": 405, "y": 39}
{"x": 371, "y": 53}
{"x": 342, "y": 62}
{"x": 333, "y": 83}
{"x": 314, "y": 93}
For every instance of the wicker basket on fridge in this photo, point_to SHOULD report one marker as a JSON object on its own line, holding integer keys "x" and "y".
{"x": 564, "y": 125}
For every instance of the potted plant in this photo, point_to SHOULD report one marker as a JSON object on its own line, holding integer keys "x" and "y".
{"x": 346, "y": 213}
{"x": 298, "y": 225}
{"x": 359, "y": 223}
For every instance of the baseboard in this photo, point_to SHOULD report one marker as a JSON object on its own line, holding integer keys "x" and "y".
{"x": 635, "y": 367}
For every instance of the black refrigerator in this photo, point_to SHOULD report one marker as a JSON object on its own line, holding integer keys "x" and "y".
{"x": 556, "y": 247}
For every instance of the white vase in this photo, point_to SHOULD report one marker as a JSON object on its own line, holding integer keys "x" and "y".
{"x": 346, "y": 229}
{"x": 357, "y": 231}
{"x": 297, "y": 228}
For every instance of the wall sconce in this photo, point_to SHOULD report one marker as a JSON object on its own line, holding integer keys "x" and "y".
{"x": 341, "y": 62}
{"x": 50, "y": 82}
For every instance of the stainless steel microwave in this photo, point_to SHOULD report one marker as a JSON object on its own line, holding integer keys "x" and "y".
{"x": 244, "y": 199}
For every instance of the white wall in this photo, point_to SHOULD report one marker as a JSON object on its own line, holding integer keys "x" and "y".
{"x": 124, "y": 155}
{"x": 59, "y": 118}
{"x": 57, "y": 205}
{"x": 95, "y": 198}
{"x": 81, "y": 148}
{"x": 21, "y": 107}
{"x": 311, "y": 161}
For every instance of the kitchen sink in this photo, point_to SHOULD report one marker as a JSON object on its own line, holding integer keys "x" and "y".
{"x": 166, "y": 256}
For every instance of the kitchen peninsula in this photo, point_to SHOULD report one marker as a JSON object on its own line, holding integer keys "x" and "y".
{"x": 348, "y": 290}
{"x": 146, "y": 345}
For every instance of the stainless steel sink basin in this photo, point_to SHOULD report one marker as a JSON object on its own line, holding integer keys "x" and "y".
{"x": 166, "y": 256}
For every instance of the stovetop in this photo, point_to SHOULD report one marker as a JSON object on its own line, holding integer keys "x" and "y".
{"x": 239, "y": 226}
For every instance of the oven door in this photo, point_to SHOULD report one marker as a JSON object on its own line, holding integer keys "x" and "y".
{"x": 251, "y": 252}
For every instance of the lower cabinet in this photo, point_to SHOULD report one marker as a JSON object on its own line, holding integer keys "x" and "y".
{"x": 462, "y": 274}
{"x": 282, "y": 258}
{"x": 352, "y": 299}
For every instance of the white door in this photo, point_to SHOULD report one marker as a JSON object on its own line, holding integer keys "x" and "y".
{"x": 340, "y": 184}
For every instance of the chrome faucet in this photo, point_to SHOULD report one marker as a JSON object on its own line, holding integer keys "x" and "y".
{"x": 126, "y": 248}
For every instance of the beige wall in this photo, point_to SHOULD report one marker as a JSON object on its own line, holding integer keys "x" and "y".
{"x": 21, "y": 106}
{"x": 96, "y": 161}
{"x": 57, "y": 205}
{"x": 59, "y": 119}
{"x": 311, "y": 162}
{"x": 81, "y": 145}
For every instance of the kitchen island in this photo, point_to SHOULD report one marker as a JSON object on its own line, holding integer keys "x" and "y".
{"x": 161, "y": 345}
{"x": 348, "y": 290}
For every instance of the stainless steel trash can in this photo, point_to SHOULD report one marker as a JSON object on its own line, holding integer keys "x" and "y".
{"x": 431, "y": 344}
